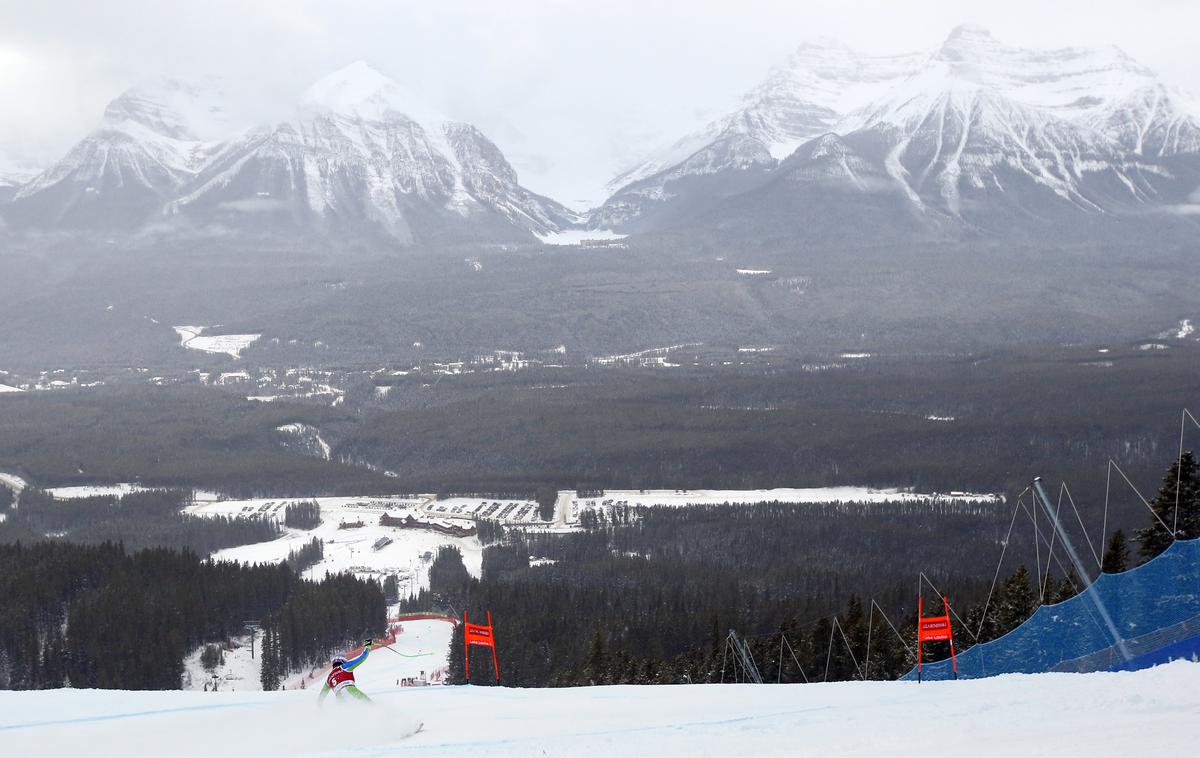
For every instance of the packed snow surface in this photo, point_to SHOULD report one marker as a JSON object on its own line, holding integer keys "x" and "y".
{"x": 230, "y": 344}
{"x": 1185, "y": 329}
{"x": 779, "y": 495}
{"x": 577, "y": 236}
{"x": 1150, "y": 712}
{"x": 95, "y": 490}
{"x": 240, "y": 668}
{"x": 350, "y": 530}
{"x": 13, "y": 482}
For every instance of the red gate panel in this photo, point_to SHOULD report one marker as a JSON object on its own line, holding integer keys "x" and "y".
{"x": 934, "y": 629}
{"x": 479, "y": 634}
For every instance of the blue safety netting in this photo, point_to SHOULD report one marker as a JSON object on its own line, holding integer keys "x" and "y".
{"x": 1152, "y": 607}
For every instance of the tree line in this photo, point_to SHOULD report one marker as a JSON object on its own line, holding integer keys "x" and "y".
{"x": 302, "y": 515}
{"x": 307, "y": 555}
{"x": 318, "y": 618}
{"x": 781, "y": 426}
{"x": 652, "y": 599}
{"x": 174, "y": 436}
{"x": 137, "y": 520}
{"x": 652, "y": 588}
{"x": 95, "y": 615}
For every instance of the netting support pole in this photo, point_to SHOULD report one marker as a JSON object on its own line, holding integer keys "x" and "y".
{"x": 829, "y": 652}
{"x": 779, "y": 677}
{"x": 724, "y": 652}
{"x": 1037, "y": 551}
{"x": 1178, "y": 481}
{"x": 870, "y": 623}
{"x": 1044, "y": 499}
{"x": 792, "y": 652}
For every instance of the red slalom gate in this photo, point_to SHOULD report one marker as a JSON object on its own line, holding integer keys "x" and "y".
{"x": 934, "y": 629}
{"x": 478, "y": 634}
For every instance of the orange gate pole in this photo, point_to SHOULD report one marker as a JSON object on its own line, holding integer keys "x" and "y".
{"x": 953, "y": 658}
{"x": 496, "y": 661}
{"x": 466, "y": 648}
{"x": 920, "y": 612}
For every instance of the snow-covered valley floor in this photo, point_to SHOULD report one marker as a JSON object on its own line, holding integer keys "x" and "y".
{"x": 407, "y": 553}
{"x": 1151, "y": 712}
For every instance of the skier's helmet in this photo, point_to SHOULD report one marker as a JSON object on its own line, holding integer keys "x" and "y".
{"x": 338, "y": 661}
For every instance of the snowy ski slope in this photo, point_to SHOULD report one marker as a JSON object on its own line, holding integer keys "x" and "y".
{"x": 1151, "y": 712}
{"x": 418, "y": 652}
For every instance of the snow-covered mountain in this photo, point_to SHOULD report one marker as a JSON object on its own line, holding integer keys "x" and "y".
{"x": 801, "y": 98}
{"x": 153, "y": 139}
{"x": 973, "y": 131}
{"x": 359, "y": 155}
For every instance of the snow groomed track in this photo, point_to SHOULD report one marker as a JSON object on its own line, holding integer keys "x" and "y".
{"x": 1150, "y": 712}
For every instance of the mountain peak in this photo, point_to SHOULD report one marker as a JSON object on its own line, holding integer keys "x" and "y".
{"x": 175, "y": 108}
{"x": 823, "y": 42}
{"x": 967, "y": 41}
{"x": 359, "y": 89}
{"x": 972, "y": 32}
{"x": 827, "y": 144}
{"x": 354, "y": 80}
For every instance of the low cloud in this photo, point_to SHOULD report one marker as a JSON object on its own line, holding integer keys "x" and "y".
{"x": 253, "y": 205}
{"x": 573, "y": 92}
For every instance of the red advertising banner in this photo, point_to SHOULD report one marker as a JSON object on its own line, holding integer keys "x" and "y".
{"x": 478, "y": 634}
{"x": 934, "y": 629}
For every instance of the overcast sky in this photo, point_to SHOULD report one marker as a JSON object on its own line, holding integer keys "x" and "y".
{"x": 571, "y": 90}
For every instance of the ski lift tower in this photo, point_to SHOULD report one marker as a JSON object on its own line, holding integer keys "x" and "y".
{"x": 253, "y": 625}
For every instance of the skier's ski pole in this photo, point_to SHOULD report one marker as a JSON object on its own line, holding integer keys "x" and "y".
{"x": 404, "y": 655}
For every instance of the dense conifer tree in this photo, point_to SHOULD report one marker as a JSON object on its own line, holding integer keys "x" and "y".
{"x": 596, "y": 670}
{"x": 455, "y": 672}
{"x": 303, "y": 515}
{"x": 1116, "y": 556}
{"x": 1181, "y": 486}
{"x": 1017, "y": 601}
{"x": 1068, "y": 587}
{"x": 130, "y": 619}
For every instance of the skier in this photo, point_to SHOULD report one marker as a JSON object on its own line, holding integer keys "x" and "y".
{"x": 341, "y": 678}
